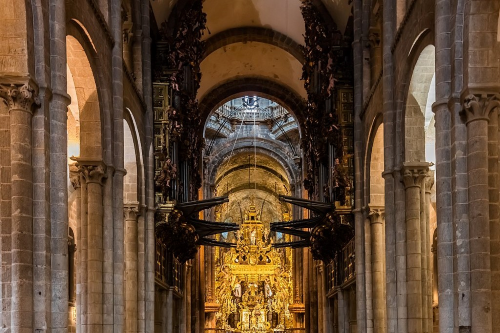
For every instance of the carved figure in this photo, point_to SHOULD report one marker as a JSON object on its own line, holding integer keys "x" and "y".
{"x": 164, "y": 179}
{"x": 237, "y": 290}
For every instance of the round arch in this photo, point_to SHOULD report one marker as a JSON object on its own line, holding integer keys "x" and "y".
{"x": 247, "y": 146}
{"x": 101, "y": 100}
{"x": 253, "y": 34}
{"x": 374, "y": 164}
{"x": 261, "y": 87}
{"x": 133, "y": 160}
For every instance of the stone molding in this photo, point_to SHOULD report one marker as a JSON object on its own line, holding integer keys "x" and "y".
{"x": 413, "y": 173}
{"x": 92, "y": 171}
{"x": 131, "y": 211}
{"x": 19, "y": 96}
{"x": 479, "y": 107}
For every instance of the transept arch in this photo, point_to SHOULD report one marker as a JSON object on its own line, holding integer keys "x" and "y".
{"x": 253, "y": 34}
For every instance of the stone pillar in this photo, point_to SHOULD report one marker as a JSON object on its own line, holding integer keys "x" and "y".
{"x": 170, "y": 307}
{"x": 493, "y": 189}
{"x": 141, "y": 274}
{"x": 82, "y": 254}
{"x": 368, "y": 275}
{"x": 20, "y": 99}
{"x": 413, "y": 176}
{"x": 476, "y": 111}
{"x": 131, "y": 213}
{"x": 376, "y": 215}
{"x": 149, "y": 236}
{"x": 75, "y": 179}
{"x": 428, "y": 183}
{"x": 94, "y": 175}
{"x": 58, "y": 165}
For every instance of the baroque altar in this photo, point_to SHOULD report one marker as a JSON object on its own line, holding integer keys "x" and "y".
{"x": 253, "y": 284}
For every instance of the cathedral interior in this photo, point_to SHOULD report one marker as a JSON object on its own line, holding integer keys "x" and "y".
{"x": 249, "y": 166}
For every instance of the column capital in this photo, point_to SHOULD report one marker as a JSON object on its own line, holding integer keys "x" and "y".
{"x": 429, "y": 181}
{"x": 131, "y": 211}
{"x": 413, "y": 173}
{"x": 479, "y": 106}
{"x": 74, "y": 176}
{"x": 19, "y": 96}
{"x": 376, "y": 213}
{"x": 92, "y": 171}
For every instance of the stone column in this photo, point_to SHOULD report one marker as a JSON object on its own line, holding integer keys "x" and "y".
{"x": 476, "y": 112}
{"x": 20, "y": 99}
{"x": 149, "y": 168}
{"x": 131, "y": 213}
{"x": 368, "y": 275}
{"x": 94, "y": 173}
{"x": 428, "y": 183}
{"x": 413, "y": 176}
{"x": 58, "y": 165}
{"x": 493, "y": 189}
{"x": 169, "y": 317}
{"x": 141, "y": 273}
{"x": 75, "y": 179}
{"x": 82, "y": 254}
{"x": 376, "y": 215}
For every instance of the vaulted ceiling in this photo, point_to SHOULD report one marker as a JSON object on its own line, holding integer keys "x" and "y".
{"x": 253, "y": 39}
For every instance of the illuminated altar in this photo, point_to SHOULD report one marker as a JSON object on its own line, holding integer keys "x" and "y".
{"x": 253, "y": 283}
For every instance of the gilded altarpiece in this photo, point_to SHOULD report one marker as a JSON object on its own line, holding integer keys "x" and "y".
{"x": 253, "y": 284}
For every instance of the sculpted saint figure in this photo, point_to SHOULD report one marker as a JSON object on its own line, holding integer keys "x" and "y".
{"x": 237, "y": 290}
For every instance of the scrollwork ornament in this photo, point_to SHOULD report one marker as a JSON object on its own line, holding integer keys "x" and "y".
{"x": 20, "y": 97}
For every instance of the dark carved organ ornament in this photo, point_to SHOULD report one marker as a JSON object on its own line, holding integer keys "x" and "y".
{"x": 326, "y": 235}
{"x": 325, "y": 64}
{"x": 182, "y": 231}
{"x": 178, "y": 56}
